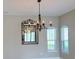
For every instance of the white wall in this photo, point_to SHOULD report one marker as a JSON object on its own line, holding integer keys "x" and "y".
{"x": 13, "y": 49}
{"x": 68, "y": 19}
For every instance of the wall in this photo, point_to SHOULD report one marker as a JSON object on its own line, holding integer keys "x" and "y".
{"x": 13, "y": 49}
{"x": 69, "y": 20}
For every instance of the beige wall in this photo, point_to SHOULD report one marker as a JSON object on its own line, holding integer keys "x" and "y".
{"x": 13, "y": 49}
{"x": 68, "y": 19}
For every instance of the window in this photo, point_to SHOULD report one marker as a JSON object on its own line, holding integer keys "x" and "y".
{"x": 64, "y": 39}
{"x": 30, "y": 36}
{"x": 51, "y": 39}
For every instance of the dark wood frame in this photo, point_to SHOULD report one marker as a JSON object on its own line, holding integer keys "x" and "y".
{"x": 31, "y": 42}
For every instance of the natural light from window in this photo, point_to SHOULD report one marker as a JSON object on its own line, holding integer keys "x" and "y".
{"x": 29, "y": 36}
{"x": 64, "y": 39}
{"x": 51, "y": 39}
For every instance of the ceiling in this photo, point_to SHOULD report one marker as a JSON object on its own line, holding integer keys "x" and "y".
{"x": 30, "y": 7}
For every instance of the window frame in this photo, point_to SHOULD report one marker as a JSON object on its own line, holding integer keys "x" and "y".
{"x": 63, "y": 40}
{"x": 23, "y": 30}
{"x": 55, "y": 40}
{"x": 30, "y": 42}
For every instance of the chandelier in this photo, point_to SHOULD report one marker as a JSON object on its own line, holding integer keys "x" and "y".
{"x": 38, "y": 25}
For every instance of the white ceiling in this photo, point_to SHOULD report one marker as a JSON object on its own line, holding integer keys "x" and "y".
{"x": 30, "y": 7}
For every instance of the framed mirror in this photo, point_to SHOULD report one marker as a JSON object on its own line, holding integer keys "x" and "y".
{"x": 29, "y": 33}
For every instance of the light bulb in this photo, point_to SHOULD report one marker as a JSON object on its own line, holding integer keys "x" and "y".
{"x": 43, "y": 21}
{"x": 29, "y": 23}
{"x": 34, "y": 23}
{"x": 38, "y": 22}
